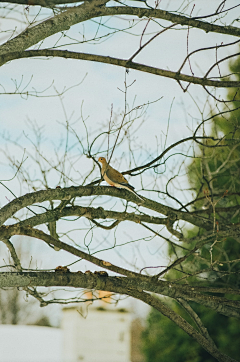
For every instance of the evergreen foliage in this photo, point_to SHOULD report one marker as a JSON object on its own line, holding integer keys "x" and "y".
{"x": 214, "y": 176}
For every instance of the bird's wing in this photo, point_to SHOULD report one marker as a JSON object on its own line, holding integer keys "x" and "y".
{"x": 115, "y": 176}
{"x": 127, "y": 185}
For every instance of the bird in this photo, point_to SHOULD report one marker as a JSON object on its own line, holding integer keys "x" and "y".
{"x": 115, "y": 178}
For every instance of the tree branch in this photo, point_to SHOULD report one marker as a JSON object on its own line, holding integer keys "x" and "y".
{"x": 119, "y": 62}
{"x": 91, "y": 213}
{"x": 174, "y": 18}
{"x": 139, "y": 12}
{"x": 57, "y": 23}
{"x": 184, "y": 325}
{"x": 230, "y": 308}
{"x": 71, "y": 192}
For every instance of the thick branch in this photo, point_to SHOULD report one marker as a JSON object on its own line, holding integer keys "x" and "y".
{"x": 173, "y": 18}
{"x": 173, "y": 290}
{"x": 50, "y": 279}
{"x": 141, "y": 12}
{"x": 68, "y": 193}
{"x": 122, "y": 63}
{"x": 43, "y": 3}
{"x": 57, "y": 23}
{"x": 113, "y": 284}
{"x": 91, "y": 213}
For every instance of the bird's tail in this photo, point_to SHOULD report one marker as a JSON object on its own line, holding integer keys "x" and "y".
{"x": 131, "y": 188}
{"x": 134, "y": 192}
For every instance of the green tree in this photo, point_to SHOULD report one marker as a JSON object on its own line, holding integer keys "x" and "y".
{"x": 214, "y": 176}
{"x": 164, "y": 341}
{"x": 156, "y": 346}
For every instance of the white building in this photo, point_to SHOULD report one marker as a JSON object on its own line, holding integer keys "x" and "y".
{"x": 30, "y": 344}
{"x": 97, "y": 332}
{"x": 103, "y": 334}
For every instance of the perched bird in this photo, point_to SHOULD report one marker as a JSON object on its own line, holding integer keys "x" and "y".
{"x": 115, "y": 178}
